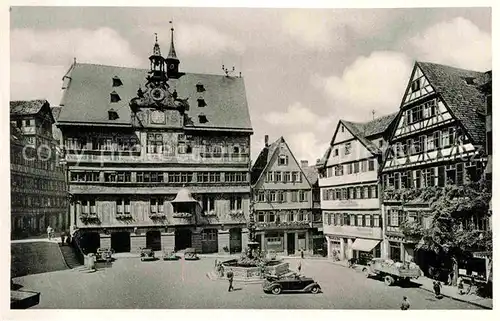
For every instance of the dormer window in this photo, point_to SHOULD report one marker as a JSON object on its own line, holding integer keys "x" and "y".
{"x": 469, "y": 80}
{"x": 201, "y": 102}
{"x": 117, "y": 82}
{"x": 114, "y": 97}
{"x": 112, "y": 114}
{"x": 200, "y": 88}
{"x": 202, "y": 118}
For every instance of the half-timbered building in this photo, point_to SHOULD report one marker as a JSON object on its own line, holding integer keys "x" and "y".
{"x": 157, "y": 158}
{"x": 439, "y": 139}
{"x": 38, "y": 185}
{"x": 286, "y": 201}
{"x": 352, "y": 222}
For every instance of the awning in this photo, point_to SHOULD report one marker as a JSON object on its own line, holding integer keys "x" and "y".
{"x": 184, "y": 196}
{"x": 364, "y": 245}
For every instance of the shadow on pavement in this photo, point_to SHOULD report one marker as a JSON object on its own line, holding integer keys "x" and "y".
{"x": 410, "y": 285}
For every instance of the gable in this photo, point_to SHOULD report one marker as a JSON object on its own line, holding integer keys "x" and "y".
{"x": 280, "y": 150}
{"x": 418, "y": 86}
{"x": 342, "y": 134}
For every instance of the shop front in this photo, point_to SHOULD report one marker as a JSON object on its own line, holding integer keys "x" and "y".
{"x": 365, "y": 249}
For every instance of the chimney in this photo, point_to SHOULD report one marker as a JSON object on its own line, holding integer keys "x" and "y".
{"x": 266, "y": 140}
{"x": 304, "y": 163}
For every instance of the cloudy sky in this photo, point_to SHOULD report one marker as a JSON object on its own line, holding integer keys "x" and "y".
{"x": 303, "y": 68}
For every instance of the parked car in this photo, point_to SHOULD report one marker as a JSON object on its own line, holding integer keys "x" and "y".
{"x": 147, "y": 254}
{"x": 390, "y": 271}
{"x": 190, "y": 254}
{"x": 169, "y": 256}
{"x": 291, "y": 282}
{"x": 104, "y": 254}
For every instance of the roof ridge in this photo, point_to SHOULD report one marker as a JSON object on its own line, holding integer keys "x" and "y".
{"x": 453, "y": 67}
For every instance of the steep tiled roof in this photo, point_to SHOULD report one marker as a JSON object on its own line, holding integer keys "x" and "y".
{"x": 263, "y": 159}
{"x": 87, "y": 99}
{"x": 465, "y": 101}
{"x": 26, "y": 107}
{"x": 363, "y": 131}
{"x": 311, "y": 174}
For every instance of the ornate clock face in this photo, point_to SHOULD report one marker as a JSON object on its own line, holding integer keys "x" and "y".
{"x": 171, "y": 66}
{"x": 157, "y": 94}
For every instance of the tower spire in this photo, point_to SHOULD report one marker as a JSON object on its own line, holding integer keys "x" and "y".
{"x": 172, "y": 54}
{"x": 172, "y": 60}
{"x": 156, "y": 47}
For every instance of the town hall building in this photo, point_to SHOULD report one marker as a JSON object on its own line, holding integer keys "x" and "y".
{"x": 156, "y": 158}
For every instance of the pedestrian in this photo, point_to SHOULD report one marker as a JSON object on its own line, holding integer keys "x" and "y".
{"x": 62, "y": 238}
{"x": 405, "y": 304}
{"x": 49, "y": 232}
{"x": 230, "y": 276}
{"x": 302, "y": 253}
{"x": 437, "y": 288}
{"x": 299, "y": 267}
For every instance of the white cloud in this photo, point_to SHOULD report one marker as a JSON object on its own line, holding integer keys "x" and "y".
{"x": 458, "y": 42}
{"x": 298, "y": 116}
{"x": 305, "y": 146}
{"x": 34, "y": 81}
{"x": 195, "y": 39}
{"x": 58, "y": 47}
{"x": 323, "y": 29}
{"x": 376, "y": 82}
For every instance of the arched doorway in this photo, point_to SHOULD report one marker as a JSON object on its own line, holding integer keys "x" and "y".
{"x": 90, "y": 242}
{"x": 120, "y": 242}
{"x": 182, "y": 239}
{"x": 235, "y": 240}
{"x": 209, "y": 241}
{"x": 153, "y": 240}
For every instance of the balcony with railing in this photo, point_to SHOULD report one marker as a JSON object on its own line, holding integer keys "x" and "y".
{"x": 283, "y": 225}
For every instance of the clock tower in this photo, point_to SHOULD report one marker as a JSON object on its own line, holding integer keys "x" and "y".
{"x": 172, "y": 61}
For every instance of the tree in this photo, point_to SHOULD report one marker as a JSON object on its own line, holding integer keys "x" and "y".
{"x": 458, "y": 217}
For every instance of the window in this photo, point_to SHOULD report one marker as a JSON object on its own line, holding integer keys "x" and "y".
{"x": 303, "y": 196}
{"x": 339, "y": 170}
{"x": 352, "y": 220}
{"x": 27, "y": 123}
{"x": 260, "y": 217}
{"x": 451, "y": 174}
{"x": 359, "y": 220}
{"x": 441, "y": 176}
{"x": 364, "y": 165}
{"x": 110, "y": 177}
{"x": 261, "y": 196}
{"x": 374, "y": 189}
{"x": 397, "y": 180}
{"x": 271, "y": 196}
{"x": 342, "y": 128}
{"x": 329, "y": 172}
{"x": 358, "y": 192}
{"x": 347, "y": 149}
{"x": 281, "y": 196}
{"x": 445, "y": 138}
{"x": 452, "y": 135}
{"x": 368, "y": 221}
{"x": 417, "y": 114}
{"x": 282, "y": 160}
{"x": 117, "y": 82}
{"x": 356, "y": 167}
{"x": 201, "y": 102}
{"x": 294, "y": 176}
{"x": 208, "y": 203}
{"x": 291, "y": 217}
{"x": 114, "y": 97}
{"x": 376, "y": 220}
{"x": 237, "y": 177}
{"x": 294, "y": 196}
{"x": 123, "y": 177}
{"x": 338, "y": 194}
{"x": 336, "y": 152}
{"x": 429, "y": 176}
{"x": 271, "y": 217}
{"x": 415, "y": 85}
{"x": 235, "y": 203}
{"x": 326, "y": 194}
{"x": 418, "y": 179}
{"x": 286, "y": 177}
{"x": 349, "y": 168}
{"x": 371, "y": 165}
{"x": 200, "y": 88}
{"x": 269, "y": 177}
{"x": 393, "y": 218}
{"x": 460, "y": 174}
{"x": 431, "y": 142}
{"x": 155, "y": 143}
{"x": 277, "y": 177}
{"x": 123, "y": 206}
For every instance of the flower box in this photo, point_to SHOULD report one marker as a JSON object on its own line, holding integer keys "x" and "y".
{"x": 156, "y": 216}
{"x": 182, "y": 215}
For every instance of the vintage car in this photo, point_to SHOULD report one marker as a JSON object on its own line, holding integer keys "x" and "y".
{"x": 147, "y": 254}
{"x": 169, "y": 256}
{"x": 390, "y": 271}
{"x": 190, "y": 254}
{"x": 290, "y": 282}
{"x": 104, "y": 254}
